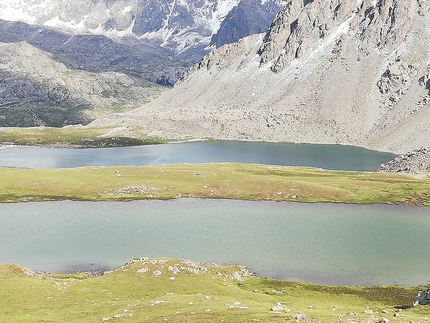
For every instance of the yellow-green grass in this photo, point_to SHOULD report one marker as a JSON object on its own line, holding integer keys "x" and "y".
{"x": 214, "y": 180}
{"x": 77, "y": 136}
{"x": 173, "y": 290}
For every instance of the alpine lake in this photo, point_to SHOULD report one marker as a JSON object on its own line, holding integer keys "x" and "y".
{"x": 332, "y": 244}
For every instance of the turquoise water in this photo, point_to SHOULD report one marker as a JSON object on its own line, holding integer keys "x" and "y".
{"x": 323, "y": 156}
{"x": 322, "y": 243}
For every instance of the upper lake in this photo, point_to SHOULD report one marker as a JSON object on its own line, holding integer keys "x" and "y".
{"x": 335, "y": 157}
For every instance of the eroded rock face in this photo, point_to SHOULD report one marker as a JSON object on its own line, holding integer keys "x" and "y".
{"x": 381, "y": 24}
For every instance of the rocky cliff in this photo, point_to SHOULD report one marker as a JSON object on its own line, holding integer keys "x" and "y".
{"x": 340, "y": 71}
{"x": 36, "y": 90}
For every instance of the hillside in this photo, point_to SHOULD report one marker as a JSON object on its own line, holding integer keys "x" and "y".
{"x": 37, "y": 90}
{"x": 345, "y": 72}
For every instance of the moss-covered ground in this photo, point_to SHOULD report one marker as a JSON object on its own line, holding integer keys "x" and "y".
{"x": 172, "y": 290}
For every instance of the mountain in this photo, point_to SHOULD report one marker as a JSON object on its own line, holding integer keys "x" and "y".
{"x": 37, "y": 90}
{"x": 336, "y": 71}
{"x": 169, "y": 35}
{"x": 97, "y": 53}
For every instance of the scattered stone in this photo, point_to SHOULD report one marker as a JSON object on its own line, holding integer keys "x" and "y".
{"x": 143, "y": 270}
{"x": 301, "y": 316}
{"x": 278, "y": 308}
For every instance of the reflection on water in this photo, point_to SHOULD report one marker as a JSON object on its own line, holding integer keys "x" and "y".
{"x": 323, "y": 156}
{"x": 322, "y": 243}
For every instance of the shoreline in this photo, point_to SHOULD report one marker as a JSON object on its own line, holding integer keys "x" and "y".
{"x": 88, "y": 270}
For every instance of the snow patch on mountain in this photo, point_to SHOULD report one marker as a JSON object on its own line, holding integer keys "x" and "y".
{"x": 177, "y": 24}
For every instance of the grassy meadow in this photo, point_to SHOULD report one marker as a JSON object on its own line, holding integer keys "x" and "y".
{"x": 77, "y": 136}
{"x": 213, "y": 180}
{"x": 173, "y": 290}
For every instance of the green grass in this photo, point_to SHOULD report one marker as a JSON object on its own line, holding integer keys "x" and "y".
{"x": 147, "y": 291}
{"x": 77, "y": 136}
{"x": 215, "y": 180}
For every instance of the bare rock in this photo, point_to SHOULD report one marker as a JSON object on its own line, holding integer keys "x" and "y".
{"x": 417, "y": 161}
{"x": 423, "y": 298}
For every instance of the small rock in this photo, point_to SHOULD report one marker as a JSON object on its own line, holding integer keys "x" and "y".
{"x": 278, "y": 308}
{"x": 301, "y": 316}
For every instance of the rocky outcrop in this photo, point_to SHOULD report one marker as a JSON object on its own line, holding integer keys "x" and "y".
{"x": 349, "y": 72}
{"x": 417, "y": 161}
{"x": 423, "y": 298}
{"x": 36, "y": 90}
{"x": 247, "y": 18}
{"x": 299, "y": 26}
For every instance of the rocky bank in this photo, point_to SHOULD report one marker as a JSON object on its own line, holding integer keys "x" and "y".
{"x": 417, "y": 161}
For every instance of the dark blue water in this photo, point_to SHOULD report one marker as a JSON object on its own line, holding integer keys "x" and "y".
{"x": 336, "y": 157}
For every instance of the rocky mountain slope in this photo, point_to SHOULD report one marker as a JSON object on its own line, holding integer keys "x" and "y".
{"x": 156, "y": 40}
{"x": 340, "y": 71}
{"x": 36, "y": 90}
{"x": 97, "y": 53}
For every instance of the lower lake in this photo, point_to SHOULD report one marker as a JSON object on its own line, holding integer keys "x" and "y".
{"x": 335, "y": 157}
{"x": 321, "y": 243}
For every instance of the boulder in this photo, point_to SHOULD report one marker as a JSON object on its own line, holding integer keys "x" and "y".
{"x": 423, "y": 298}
